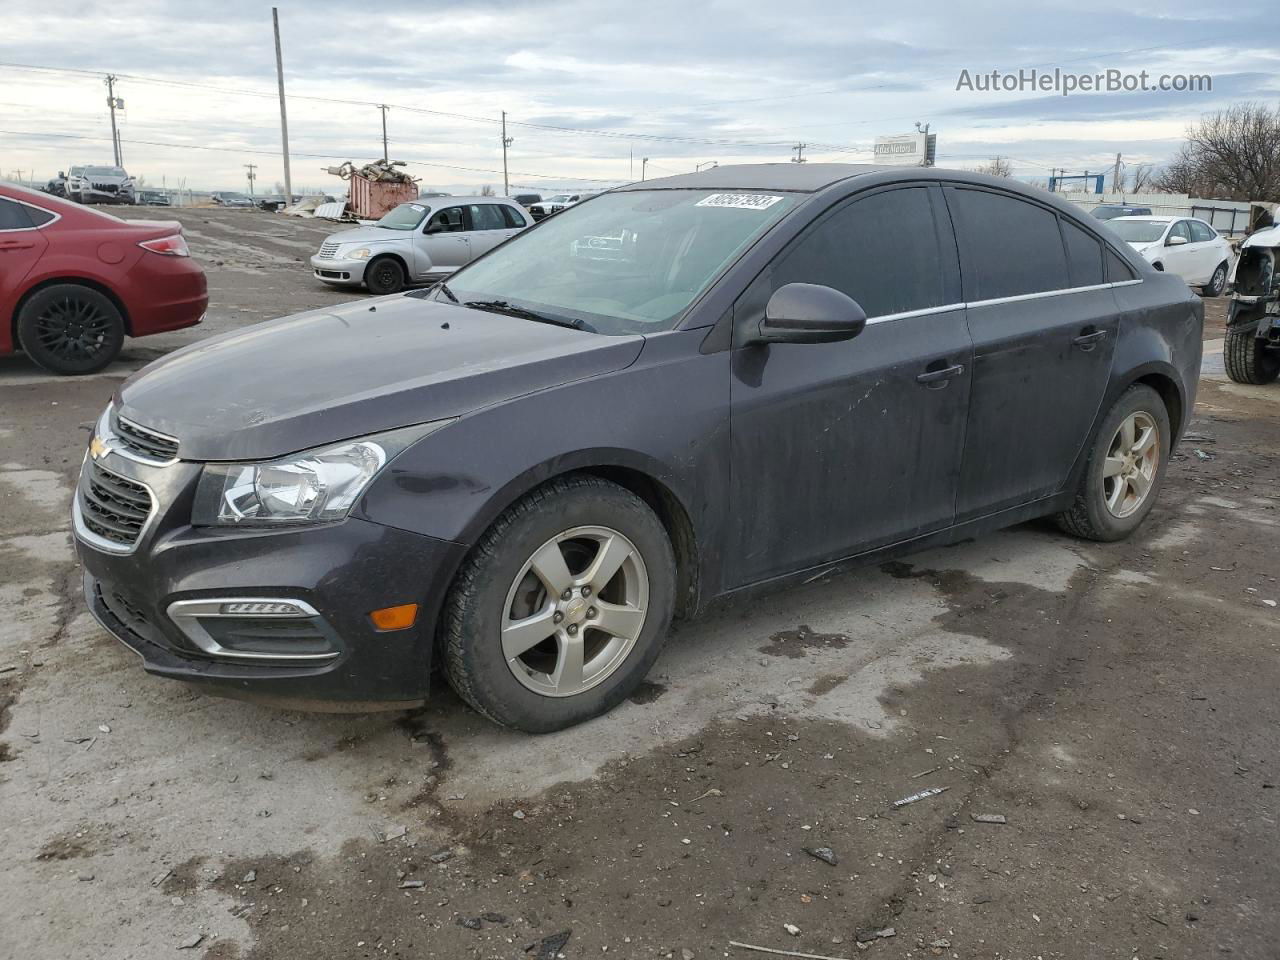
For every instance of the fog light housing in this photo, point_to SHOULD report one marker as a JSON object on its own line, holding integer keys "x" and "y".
{"x": 255, "y": 628}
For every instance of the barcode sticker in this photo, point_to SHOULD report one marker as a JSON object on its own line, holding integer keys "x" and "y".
{"x": 739, "y": 201}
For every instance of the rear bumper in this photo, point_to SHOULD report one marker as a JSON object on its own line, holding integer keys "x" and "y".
{"x": 164, "y": 293}
{"x": 340, "y": 572}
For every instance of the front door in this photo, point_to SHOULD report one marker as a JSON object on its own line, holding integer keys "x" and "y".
{"x": 20, "y": 247}
{"x": 442, "y": 244}
{"x": 1043, "y": 323}
{"x": 841, "y": 447}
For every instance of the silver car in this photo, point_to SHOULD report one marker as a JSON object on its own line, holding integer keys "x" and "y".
{"x": 417, "y": 242}
{"x": 92, "y": 184}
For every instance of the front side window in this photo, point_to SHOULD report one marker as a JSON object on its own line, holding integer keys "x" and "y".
{"x": 448, "y": 220}
{"x": 13, "y": 216}
{"x": 881, "y": 250}
{"x": 1181, "y": 229}
{"x": 1010, "y": 247}
{"x": 625, "y": 262}
{"x": 406, "y": 216}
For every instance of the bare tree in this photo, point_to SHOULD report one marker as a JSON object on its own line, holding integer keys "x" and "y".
{"x": 998, "y": 167}
{"x": 486, "y": 191}
{"x": 1233, "y": 154}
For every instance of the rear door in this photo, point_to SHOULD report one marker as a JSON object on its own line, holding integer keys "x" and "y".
{"x": 447, "y": 247}
{"x": 488, "y": 227}
{"x": 21, "y": 245}
{"x": 1043, "y": 322}
{"x": 838, "y": 448}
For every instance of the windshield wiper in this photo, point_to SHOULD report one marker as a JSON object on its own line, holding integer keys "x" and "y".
{"x": 511, "y": 310}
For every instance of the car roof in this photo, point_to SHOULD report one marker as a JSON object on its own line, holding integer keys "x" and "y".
{"x": 793, "y": 177}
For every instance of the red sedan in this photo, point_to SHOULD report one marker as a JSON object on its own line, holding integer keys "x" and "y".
{"x": 74, "y": 281}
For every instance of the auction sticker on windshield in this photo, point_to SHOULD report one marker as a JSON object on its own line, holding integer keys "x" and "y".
{"x": 739, "y": 201}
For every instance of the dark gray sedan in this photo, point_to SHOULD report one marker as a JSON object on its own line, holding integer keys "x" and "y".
{"x": 678, "y": 390}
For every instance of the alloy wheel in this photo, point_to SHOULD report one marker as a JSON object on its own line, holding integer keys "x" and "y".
{"x": 575, "y": 611}
{"x": 72, "y": 329}
{"x": 1133, "y": 458}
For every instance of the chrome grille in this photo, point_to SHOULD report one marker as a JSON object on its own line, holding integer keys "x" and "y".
{"x": 113, "y": 507}
{"x": 145, "y": 442}
{"x": 107, "y": 187}
{"x": 328, "y": 251}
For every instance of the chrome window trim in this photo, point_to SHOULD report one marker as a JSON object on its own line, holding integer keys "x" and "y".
{"x": 185, "y": 616}
{"x": 86, "y": 535}
{"x": 1040, "y": 295}
{"x": 48, "y": 223}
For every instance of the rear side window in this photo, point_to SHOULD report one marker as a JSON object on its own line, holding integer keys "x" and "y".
{"x": 487, "y": 216}
{"x": 1201, "y": 232}
{"x": 1084, "y": 255}
{"x": 1009, "y": 247}
{"x": 513, "y": 217}
{"x": 882, "y": 250}
{"x": 13, "y": 216}
{"x": 1117, "y": 270}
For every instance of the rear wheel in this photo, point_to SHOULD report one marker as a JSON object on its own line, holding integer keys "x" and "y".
{"x": 562, "y": 607}
{"x": 384, "y": 275}
{"x": 1247, "y": 359}
{"x": 1217, "y": 283}
{"x": 1122, "y": 478}
{"x": 70, "y": 329}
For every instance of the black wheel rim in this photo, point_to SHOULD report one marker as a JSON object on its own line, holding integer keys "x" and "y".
{"x": 384, "y": 275}
{"x": 73, "y": 329}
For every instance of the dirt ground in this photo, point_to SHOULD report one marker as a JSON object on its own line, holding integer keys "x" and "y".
{"x": 1113, "y": 705}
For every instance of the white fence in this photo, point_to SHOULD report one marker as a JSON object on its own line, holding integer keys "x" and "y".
{"x": 1228, "y": 217}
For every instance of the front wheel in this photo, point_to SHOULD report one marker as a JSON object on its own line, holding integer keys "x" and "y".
{"x": 1248, "y": 360}
{"x": 70, "y": 329}
{"x": 384, "y": 275}
{"x": 562, "y": 607}
{"x": 1217, "y": 283}
{"x": 1126, "y": 466}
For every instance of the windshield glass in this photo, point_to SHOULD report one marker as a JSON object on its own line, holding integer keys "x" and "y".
{"x": 104, "y": 172}
{"x": 1139, "y": 231}
{"x": 626, "y": 262}
{"x": 407, "y": 216}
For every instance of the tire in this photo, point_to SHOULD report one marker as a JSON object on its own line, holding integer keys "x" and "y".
{"x": 1217, "y": 283}
{"x": 1248, "y": 360}
{"x": 384, "y": 275}
{"x": 1103, "y": 510}
{"x": 497, "y": 586}
{"x": 70, "y": 329}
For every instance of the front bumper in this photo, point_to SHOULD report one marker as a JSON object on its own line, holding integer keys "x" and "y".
{"x": 342, "y": 273}
{"x": 338, "y": 571}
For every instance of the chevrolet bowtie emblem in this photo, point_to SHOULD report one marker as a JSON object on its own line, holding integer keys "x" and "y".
{"x": 97, "y": 448}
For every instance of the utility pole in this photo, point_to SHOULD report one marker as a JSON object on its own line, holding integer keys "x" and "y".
{"x": 383, "y": 107}
{"x": 252, "y": 176}
{"x": 798, "y": 150}
{"x": 1115, "y": 176}
{"x": 644, "y": 162}
{"x": 506, "y": 142}
{"x": 284, "y": 116}
{"x": 113, "y": 102}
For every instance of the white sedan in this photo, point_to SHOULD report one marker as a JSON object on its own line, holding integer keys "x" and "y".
{"x": 1183, "y": 245}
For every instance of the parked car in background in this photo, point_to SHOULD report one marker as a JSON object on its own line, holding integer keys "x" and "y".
{"x": 57, "y": 186}
{"x": 154, "y": 198}
{"x": 523, "y": 472}
{"x": 275, "y": 202}
{"x": 561, "y": 201}
{"x": 417, "y": 242}
{"x": 229, "y": 198}
{"x": 1184, "y": 246}
{"x": 1252, "y": 346}
{"x": 527, "y": 200}
{"x": 100, "y": 184}
{"x": 74, "y": 281}
{"x": 1108, "y": 211}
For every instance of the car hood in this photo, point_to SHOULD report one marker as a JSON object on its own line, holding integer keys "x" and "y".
{"x": 367, "y": 235}
{"x": 1269, "y": 237}
{"x": 327, "y": 375}
{"x": 1143, "y": 248}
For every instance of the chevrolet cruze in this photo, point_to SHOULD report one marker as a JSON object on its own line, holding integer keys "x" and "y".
{"x": 672, "y": 392}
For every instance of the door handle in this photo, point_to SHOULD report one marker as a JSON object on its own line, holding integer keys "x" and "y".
{"x": 939, "y": 378}
{"x": 1087, "y": 341}
{"x": 16, "y": 245}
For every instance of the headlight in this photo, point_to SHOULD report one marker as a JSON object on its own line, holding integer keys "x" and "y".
{"x": 359, "y": 254}
{"x": 314, "y": 486}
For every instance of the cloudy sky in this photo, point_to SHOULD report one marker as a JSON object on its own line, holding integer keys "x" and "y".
{"x": 592, "y": 88}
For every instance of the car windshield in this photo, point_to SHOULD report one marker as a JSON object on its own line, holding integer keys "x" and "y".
{"x": 104, "y": 172}
{"x": 561, "y": 198}
{"x": 407, "y": 216}
{"x": 627, "y": 262}
{"x": 1139, "y": 231}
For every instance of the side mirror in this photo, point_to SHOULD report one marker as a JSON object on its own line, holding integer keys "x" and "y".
{"x": 809, "y": 313}
{"x": 1175, "y": 241}
{"x": 61, "y": 175}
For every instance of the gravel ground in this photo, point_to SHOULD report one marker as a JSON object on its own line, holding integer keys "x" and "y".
{"x": 1114, "y": 704}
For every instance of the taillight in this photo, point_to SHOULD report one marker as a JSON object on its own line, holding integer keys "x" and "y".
{"x": 174, "y": 246}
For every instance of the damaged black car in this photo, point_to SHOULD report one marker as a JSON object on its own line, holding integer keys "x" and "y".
{"x": 673, "y": 392}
